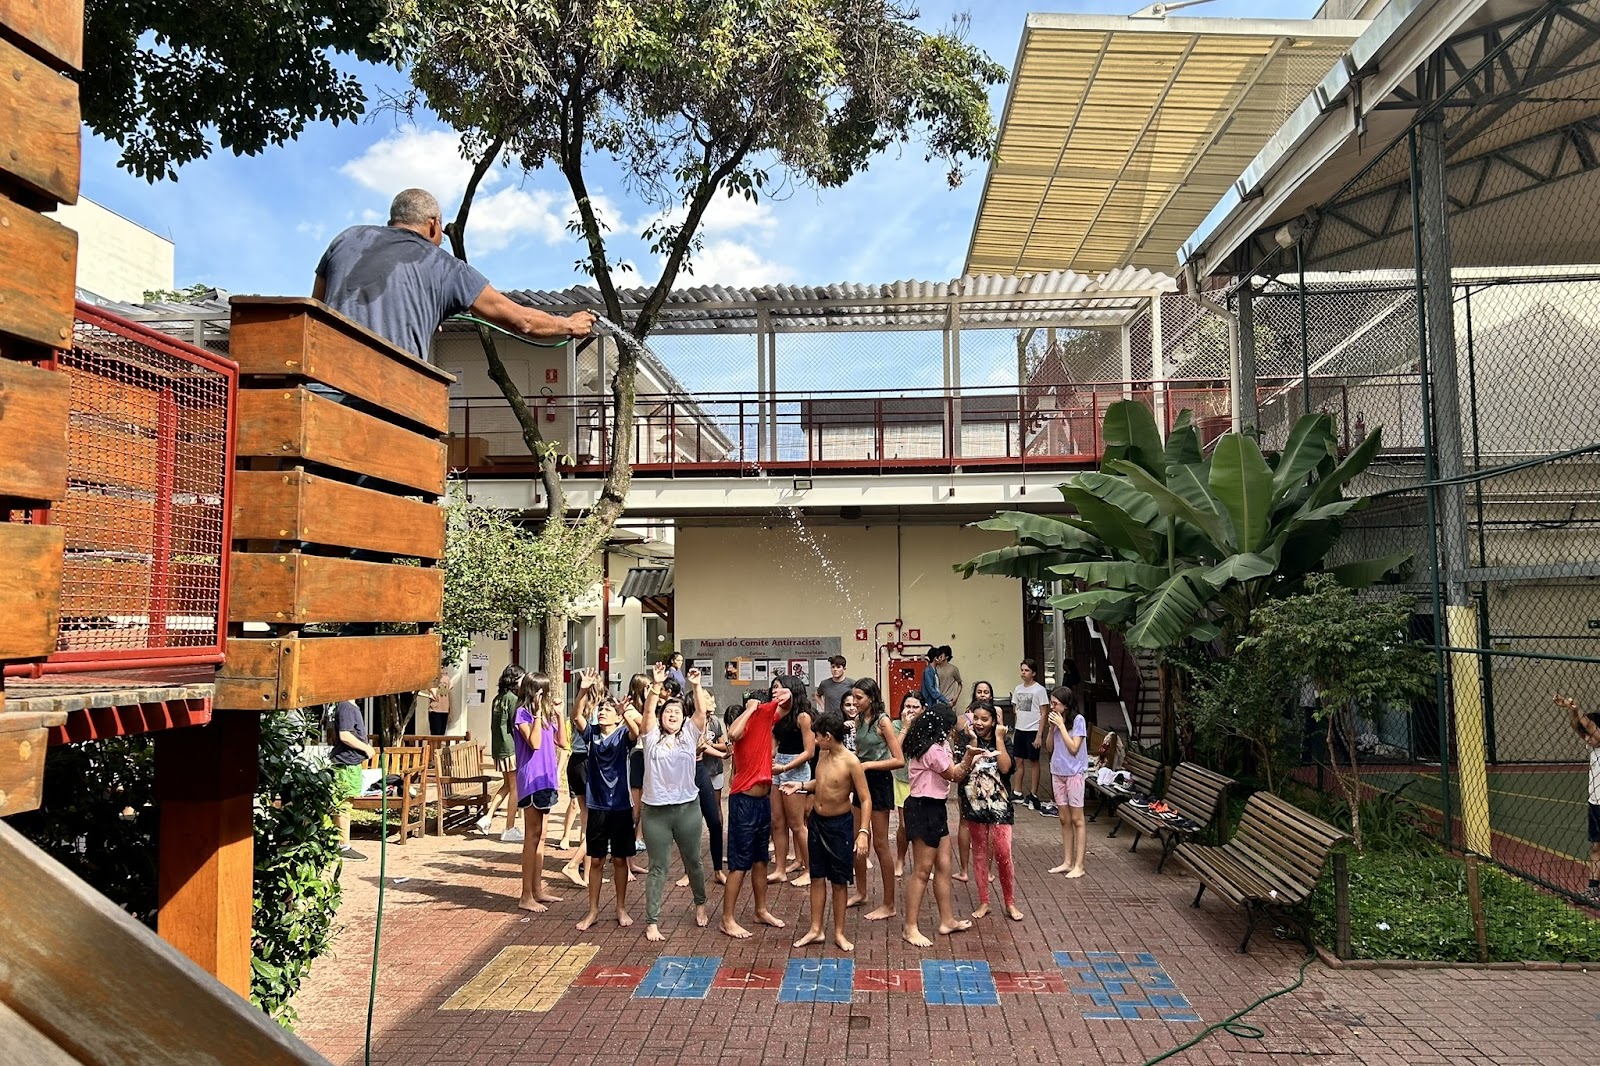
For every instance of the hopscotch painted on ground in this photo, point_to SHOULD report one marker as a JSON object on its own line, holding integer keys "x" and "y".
{"x": 1130, "y": 986}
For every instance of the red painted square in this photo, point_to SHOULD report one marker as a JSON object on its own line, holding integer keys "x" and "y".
{"x": 598, "y": 976}
{"x": 913, "y": 635}
{"x": 739, "y": 977}
{"x": 861, "y": 634}
{"x": 888, "y": 981}
{"x": 1035, "y": 981}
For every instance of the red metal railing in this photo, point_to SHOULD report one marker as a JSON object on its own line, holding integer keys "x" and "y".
{"x": 878, "y": 430}
{"x": 146, "y": 519}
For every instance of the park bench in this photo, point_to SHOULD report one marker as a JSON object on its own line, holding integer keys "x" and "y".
{"x": 1144, "y": 781}
{"x": 1270, "y": 866}
{"x": 408, "y": 766}
{"x": 1194, "y": 796}
{"x": 462, "y": 780}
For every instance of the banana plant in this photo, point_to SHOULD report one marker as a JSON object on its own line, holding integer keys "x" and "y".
{"x": 1168, "y": 543}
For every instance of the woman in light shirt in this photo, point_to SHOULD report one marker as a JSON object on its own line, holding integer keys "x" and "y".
{"x": 671, "y": 796}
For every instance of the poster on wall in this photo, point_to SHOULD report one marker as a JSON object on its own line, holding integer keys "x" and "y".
{"x": 745, "y": 670}
{"x": 702, "y": 665}
{"x": 800, "y": 668}
{"x": 820, "y": 669}
{"x": 477, "y": 679}
{"x": 762, "y": 669}
{"x": 755, "y": 661}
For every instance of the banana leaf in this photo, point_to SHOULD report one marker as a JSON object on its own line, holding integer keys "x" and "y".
{"x": 1046, "y": 531}
{"x": 1141, "y": 577}
{"x": 1111, "y": 606}
{"x": 1309, "y": 443}
{"x": 1183, "y": 442}
{"x": 1172, "y": 505}
{"x": 1364, "y": 572}
{"x": 1018, "y": 560}
{"x": 1119, "y": 530}
{"x": 1329, "y": 487}
{"x": 1165, "y": 616}
{"x": 1129, "y": 432}
{"x": 1242, "y": 481}
{"x": 1245, "y": 567}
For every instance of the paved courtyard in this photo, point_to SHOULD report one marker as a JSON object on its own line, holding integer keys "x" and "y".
{"x": 1113, "y": 968}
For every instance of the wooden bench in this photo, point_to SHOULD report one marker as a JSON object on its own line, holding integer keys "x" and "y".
{"x": 462, "y": 779}
{"x": 1194, "y": 795}
{"x": 1271, "y": 865}
{"x": 1144, "y": 782}
{"x": 408, "y": 764}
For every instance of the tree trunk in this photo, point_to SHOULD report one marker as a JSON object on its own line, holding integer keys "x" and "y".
{"x": 1349, "y": 781}
{"x": 553, "y": 661}
{"x": 1169, "y": 720}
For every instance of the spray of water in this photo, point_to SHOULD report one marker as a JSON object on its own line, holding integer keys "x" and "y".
{"x": 803, "y": 534}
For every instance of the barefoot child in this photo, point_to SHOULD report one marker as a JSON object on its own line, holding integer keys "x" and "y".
{"x": 671, "y": 798}
{"x": 986, "y": 806}
{"x": 610, "y": 827}
{"x": 750, "y": 809}
{"x": 538, "y": 740}
{"x": 927, "y": 819}
{"x": 1069, "y": 763}
{"x": 833, "y": 841}
{"x": 878, "y": 748}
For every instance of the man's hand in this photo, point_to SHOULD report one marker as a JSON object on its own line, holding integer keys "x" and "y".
{"x": 581, "y": 324}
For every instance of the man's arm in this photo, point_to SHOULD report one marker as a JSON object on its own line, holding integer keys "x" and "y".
{"x": 1580, "y": 721}
{"x": 506, "y": 313}
{"x": 737, "y": 727}
{"x": 350, "y": 740}
{"x": 702, "y": 702}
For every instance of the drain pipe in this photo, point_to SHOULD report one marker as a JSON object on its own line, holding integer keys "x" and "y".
{"x": 1236, "y": 368}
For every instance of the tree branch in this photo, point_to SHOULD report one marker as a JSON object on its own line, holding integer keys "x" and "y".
{"x": 458, "y": 228}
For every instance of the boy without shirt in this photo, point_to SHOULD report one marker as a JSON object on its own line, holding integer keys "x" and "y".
{"x": 833, "y": 852}
{"x": 750, "y": 809}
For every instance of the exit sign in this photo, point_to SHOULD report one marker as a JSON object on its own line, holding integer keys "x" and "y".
{"x": 1594, "y": 623}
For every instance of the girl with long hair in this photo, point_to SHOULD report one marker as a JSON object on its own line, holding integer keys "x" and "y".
{"x": 1068, "y": 747}
{"x": 986, "y": 806}
{"x": 638, "y": 685}
{"x": 878, "y": 748}
{"x": 911, "y": 705}
{"x": 538, "y": 738}
{"x": 504, "y": 750}
{"x": 982, "y": 695}
{"x": 671, "y": 741}
{"x": 794, "y": 746}
{"x": 926, "y": 745}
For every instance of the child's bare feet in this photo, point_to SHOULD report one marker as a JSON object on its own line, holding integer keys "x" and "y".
{"x": 899, "y": 869}
{"x": 545, "y": 897}
{"x": 588, "y": 920}
{"x": 632, "y": 869}
{"x": 777, "y": 875}
{"x": 529, "y": 903}
{"x": 768, "y": 918}
{"x": 682, "y": 882}
{"x": 1063, "y": 868}
{"x": 879, "y": 914}
{"x": 843, "y": 944}
{"x": 914, "y": 937}
{"x": 855, "y": 901}
{"x": 813, "y": 936}
{"x": 1076, "y": 871}
{"x": 722, "y": 878}
{"x": 734, "y": 929}
{"x": 982, "y": 911}
{"x": 960, "y": 875}
{"x": 801, "y": 882}
{"x": 653, "y": 933}
{"x": 623, "y": 919}
{"x": 1012, "y": 912}
{"x": 960, "y": 925}
{"x": 700, "y": 918}
{"x": 572, "y": 875}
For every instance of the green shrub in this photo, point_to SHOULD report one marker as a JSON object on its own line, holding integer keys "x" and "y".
{"x": 99, "y": 819}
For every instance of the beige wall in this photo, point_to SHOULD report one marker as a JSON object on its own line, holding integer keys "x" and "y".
{"x": 117, "y": 259}
{"x": 754, "y": 582}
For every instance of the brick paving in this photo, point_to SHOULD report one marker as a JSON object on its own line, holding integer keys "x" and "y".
{"x": 1089, "y": 975}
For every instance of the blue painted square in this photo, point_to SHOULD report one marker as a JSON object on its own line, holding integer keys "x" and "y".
{"x": 1130, "y": 986}
{"x": 964, "y": 983}
{"x": 818, "y": 981}
{"x": 679, "y": 977}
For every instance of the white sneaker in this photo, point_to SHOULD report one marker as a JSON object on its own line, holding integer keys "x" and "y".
{"x": 484, "y": 823}
{"x": 511, "y": 836}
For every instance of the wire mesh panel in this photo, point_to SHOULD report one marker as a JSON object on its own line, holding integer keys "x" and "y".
{"x": 145, "y": 519}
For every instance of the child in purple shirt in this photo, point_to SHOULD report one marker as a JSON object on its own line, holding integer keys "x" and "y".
{"x": 537, "y": 735}
{"x": 1069, "y": 764}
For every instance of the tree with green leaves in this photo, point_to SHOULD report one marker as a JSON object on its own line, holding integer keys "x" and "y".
{"x": 1246, "y": 697}
{"x": 1358, "y": 653}
{"x": 163, "y": 79}
{"x": 694, "y": 99}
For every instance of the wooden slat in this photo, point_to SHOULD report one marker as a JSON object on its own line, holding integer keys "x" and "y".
{"x": 295, "y": 424}
{"x": 102, "y": 454}
{"x": 299, "y": 672}
{"x": 27, "y": 1044}
{"x": 117, "y": 402}
{"x": 287, "y": 587}
{"x": 294, "y": 505}
{"x": 24, "y": 735}
{"x": 106, "y": 989}
{"x": 95, "y": 586}
{"x": 30, "y": 590}
{"x": 51, "y": 29}
{"x": 94, "y": 521}
{"x": 33, "y": 431}
{"x": 41, "y": 258}
{"x": 302, "y": 339}
{"x": 38, "y": 128}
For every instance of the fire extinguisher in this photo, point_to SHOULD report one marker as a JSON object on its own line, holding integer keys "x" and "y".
{"x": 566, "y": 666}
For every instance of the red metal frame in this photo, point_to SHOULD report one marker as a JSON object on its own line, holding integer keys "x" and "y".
{"x": 101, "y": 723}
{"x": 92, "y": 659}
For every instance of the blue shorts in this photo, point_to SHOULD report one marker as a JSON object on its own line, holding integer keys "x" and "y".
{"x": 749, "y": 830}
{"x": 799, "y": 775}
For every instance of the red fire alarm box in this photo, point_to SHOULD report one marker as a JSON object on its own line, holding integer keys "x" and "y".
{"x": 552, "y": 376}
{"x": 905, "y": 675}
{"x": 861, "y": 634}
{"x": 914, "y": 636}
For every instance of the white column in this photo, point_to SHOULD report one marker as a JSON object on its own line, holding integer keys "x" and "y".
{"x": 1158, "y": 366}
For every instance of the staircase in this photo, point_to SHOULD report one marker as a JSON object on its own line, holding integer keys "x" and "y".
{"x": 1131, "y": 674}
{"x": 1147, "y": 704}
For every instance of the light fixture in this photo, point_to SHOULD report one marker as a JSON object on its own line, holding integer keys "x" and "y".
{"x": 802, "y": 484}
{"x": 1288, "y": 235}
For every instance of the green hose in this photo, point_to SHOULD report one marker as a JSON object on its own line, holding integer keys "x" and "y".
{"x": 377, "y": 926}
{"x": 1232, "y": 1025}
{"x": 501, "y": 329}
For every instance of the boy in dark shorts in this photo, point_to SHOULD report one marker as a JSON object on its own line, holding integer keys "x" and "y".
{"x": 1587, "y": 726}
{"x": 610, "y": 829}
{"x": 834, "y": 841}
{"x": 750, "y": 808}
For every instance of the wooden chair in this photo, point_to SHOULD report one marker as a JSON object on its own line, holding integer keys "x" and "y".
{"x": 409, "y": 765}
{"x": 431, "y": 745}
{"x": 462, "y": 779}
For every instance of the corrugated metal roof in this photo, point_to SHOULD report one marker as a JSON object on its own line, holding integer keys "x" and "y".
{"x": 646, "y": 583}
{"x": 1120, "y": 134}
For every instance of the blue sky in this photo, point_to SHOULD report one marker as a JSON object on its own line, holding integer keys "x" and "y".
{"x": 259, "y": 224}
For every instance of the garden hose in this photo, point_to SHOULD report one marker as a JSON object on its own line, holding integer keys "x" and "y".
{"x": 501, "y": 329}
{"x": 377, "y": 926}
{"x": 1232, "y": 1025}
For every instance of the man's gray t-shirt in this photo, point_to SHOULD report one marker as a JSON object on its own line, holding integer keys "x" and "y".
{"x": 832, "y": 692}
{"x": 397, "y": 283}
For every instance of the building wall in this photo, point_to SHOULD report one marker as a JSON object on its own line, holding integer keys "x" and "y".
{"x": 778, "y": 582}
{"x": 117, "y": 259}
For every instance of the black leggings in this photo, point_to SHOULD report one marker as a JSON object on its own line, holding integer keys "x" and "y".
{"x": 704, "y": 771}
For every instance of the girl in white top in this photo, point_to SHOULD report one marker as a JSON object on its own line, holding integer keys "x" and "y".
{"x": 671, "y": 795}
{"x": 1029, "y": 700}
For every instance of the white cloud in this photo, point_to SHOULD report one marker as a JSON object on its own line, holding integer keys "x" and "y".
{"x": 735, "y": 264}
{"x": 413, "y": 158}
{"x": 499, "y": 219}
{"x": 728, "y": 215}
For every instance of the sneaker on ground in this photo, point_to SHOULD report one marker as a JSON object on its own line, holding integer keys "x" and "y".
{"x": 1030, "y": 803}
{"x": 511, "y": 836}
{"x": 1019, "y": 799}
{"x": 349, "y": 854}
{"x": 484, "y": 823}
{"x": 1049, "y": 810}
{"x": 638, "y": 847}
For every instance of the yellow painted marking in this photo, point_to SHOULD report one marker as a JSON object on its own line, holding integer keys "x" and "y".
{"x": 523, "y": 978}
